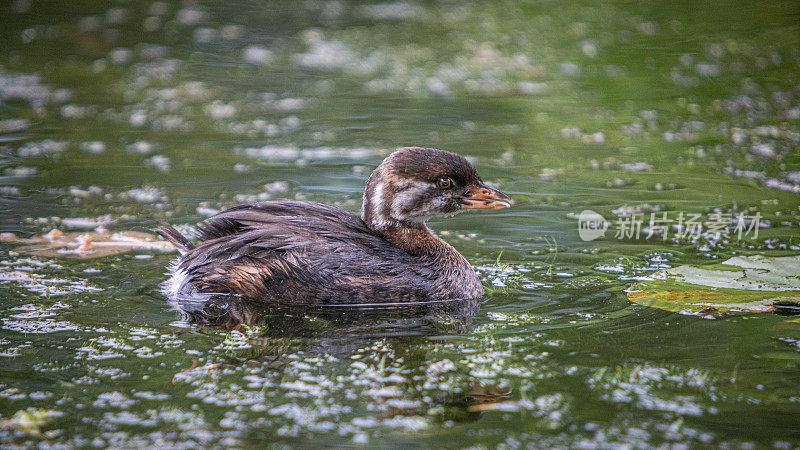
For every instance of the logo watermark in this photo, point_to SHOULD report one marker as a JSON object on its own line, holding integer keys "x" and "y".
{"x": 591, "y": 225}
{"x": 663, "y": 225}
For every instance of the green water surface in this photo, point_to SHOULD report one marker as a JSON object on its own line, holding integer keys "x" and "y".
{"x": 138, "y": 112}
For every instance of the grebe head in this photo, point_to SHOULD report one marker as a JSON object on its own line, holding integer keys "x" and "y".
{"x": 414, "y": 184}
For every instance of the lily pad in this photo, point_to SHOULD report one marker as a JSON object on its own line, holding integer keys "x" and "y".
{"x": 86, "y": 245}
{"x": 742, "y": 284}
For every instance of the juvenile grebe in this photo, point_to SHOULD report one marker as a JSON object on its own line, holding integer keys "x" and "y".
{"x": 309, "y": 253}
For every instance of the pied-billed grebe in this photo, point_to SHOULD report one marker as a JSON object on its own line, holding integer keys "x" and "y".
{"x": 309, "y": 253}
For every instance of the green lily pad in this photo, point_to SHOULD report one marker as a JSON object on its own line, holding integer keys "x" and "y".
{"x": 742, "y": 284}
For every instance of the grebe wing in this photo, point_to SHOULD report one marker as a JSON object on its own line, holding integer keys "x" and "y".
{"x": 302, "y": 252}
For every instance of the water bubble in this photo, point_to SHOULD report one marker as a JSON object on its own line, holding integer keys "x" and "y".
{"x": 570, "y": 69}
{"x": 93, "y": 147}
{"x": 120, "y": 56}
{"x": 160, "y": 162}
{"x": 190, "y": 16}
{"x": 204, "y": 35}
{"x": 257, "y": 55}
{"x": 140, "y": 147}
{"x": 116, "y": 16}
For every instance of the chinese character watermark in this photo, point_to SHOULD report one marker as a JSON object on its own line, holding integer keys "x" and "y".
{"x": 663, "y": 225}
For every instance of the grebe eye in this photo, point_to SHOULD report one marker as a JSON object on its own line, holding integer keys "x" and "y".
{"x": 445, "y": 183}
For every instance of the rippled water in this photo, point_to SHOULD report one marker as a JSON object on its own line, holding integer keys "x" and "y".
{"x": 129, "y": 113}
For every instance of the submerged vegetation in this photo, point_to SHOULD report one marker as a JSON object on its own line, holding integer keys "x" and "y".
{"x": 678, "y": 126}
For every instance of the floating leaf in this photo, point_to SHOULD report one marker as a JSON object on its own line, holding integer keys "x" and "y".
{"x": 742, "y": 284}
{"x": 30, "y": 420}
{"x": 86, "y": 245}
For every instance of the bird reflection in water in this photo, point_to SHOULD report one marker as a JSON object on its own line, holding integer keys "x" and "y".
{"x": 344, "y": 331}
{"x": 369, "y": 321}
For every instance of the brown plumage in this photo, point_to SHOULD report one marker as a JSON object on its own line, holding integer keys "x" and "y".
{"x": 310, "y": 253}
